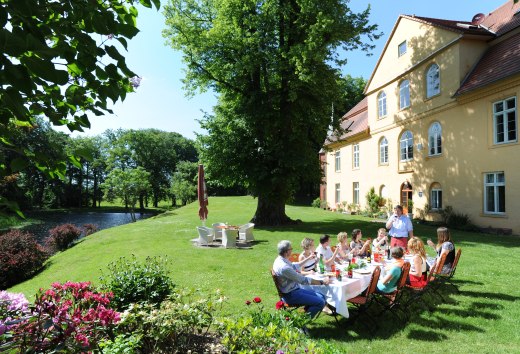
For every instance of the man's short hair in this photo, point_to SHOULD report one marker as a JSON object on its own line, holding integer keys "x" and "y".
{"x": 324, "y": 239}
{"x": 283, "y": 246}
{"x": 400, "y": 207}
{"x": 397, "y": 252}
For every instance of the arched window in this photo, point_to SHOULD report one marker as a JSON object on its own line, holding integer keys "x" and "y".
{"x": 381, "y": 104}
{"x": 406, "y": 146}
{"x": 404, "y": 94}
{"x": 436, "y": 196}
{"x": 383, "y": 191}
{"x": 435, "y": 139}
{"x": 383, "y": 151}
{"x": 433, "y": 81}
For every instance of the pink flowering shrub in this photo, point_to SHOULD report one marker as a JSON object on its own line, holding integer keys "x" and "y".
{"x": 12, "y": 306}
{"x": 70, "y": 317}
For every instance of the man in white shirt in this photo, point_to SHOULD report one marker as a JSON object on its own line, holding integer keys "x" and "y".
{"x": 400, "y": 228}
{"x": 290, "y": 281}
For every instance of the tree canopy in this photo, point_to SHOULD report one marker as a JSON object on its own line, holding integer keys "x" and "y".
{"x": 60, "y": 60}
{"x": 275, "y": 66}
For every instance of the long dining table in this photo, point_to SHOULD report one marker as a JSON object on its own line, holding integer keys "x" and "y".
{"x": 338, "y": 292}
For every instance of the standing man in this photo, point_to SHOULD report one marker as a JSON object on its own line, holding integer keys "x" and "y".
{"x": 400, "y": 228}
{"x": 290, "y": 281}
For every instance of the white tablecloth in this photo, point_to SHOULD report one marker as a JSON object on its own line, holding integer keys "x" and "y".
{"x": 338, "y": 292}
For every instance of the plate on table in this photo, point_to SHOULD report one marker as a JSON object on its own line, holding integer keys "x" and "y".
{"x": 377, "y": 264}
{"x": 362, "y": 271}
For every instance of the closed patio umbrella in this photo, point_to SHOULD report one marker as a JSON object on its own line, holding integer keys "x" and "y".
{"x": 203, "y": 196}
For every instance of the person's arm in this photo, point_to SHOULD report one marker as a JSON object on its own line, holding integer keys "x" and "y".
{"x": 365, "y": 247}
{"x": 409, "y": 227}
{"x": 387, "y": 278}
{"x": 417, "y": 262}
{"x": 333, "y": 258}
{"x": 302, "y": 260}
{"x": 390, "y": 221}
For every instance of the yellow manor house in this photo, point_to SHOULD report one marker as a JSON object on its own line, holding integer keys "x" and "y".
{"x": 438, "y": 125}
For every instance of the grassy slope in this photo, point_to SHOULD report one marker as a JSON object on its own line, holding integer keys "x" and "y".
{"x": 482, "y": 318}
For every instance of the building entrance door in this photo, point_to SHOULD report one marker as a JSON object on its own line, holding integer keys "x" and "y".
{"x": 406, "y": 196}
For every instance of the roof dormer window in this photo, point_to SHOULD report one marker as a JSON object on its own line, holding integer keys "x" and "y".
{"x": 401, "y": 48}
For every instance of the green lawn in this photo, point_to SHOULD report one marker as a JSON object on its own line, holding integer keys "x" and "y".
{"x": 482, "y": 318}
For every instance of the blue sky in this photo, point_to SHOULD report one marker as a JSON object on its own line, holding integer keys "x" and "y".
{"x": 161, "y": 103}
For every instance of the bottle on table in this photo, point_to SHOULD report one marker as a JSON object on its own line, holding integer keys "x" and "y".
{"x": 369, "y": 254}
{"x": 321, "y": 265}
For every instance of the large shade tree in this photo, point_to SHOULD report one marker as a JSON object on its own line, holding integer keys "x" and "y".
{"x": 60, "y": 60}
{"x": 275, "y": 67}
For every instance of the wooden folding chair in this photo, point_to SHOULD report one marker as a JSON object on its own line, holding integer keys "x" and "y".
{"x": 391, "y": 301}
{"x": 294, "y": 257}
{"x": 435, "y": 283}
{"x": 363, "y": 301}
{"x": 447, "y": 278}
{"x": 276, "y": 281}
{"x": 416, "y": 292}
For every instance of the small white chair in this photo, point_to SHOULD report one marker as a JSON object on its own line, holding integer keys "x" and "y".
{"x": 217, "y": 231}
{"x": 245, "y": 232}
{"x": 229, "y": 238}
{"x": 205, "y": 235}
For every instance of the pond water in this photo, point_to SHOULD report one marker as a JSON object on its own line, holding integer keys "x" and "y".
{"x": 101, "y": 220}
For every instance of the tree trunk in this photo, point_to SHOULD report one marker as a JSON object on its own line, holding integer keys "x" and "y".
{"x": 271, "y": 212}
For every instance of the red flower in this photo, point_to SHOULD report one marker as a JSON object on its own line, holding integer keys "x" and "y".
{"x": 280, "y": 305}
{"x": 248, "y": 302}
{"x": 257, "y": 300}
{"x": 287, "y": 318}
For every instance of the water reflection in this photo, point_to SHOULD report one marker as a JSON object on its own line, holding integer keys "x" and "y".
{"x": 53, "y": 219}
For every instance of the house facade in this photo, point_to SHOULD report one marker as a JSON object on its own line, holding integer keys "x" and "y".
{"x": 439, "y": 124}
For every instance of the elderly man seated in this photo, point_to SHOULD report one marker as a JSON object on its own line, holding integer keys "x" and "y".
{"x": 290, "y": 281}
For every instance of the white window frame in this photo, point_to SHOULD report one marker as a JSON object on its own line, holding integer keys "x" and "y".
{"x": 355, "y": 155}
{"x": 494, "y": 183}
{"x": 337, "y": 161}
{"x": 502, "y": 124}
{"x": 435, "y": 139}
{"x": 436, "y": 199}
{"x": 355, "y": 193}
{"x": 433, "y": 81}
{"x": 406, "y": 146}
{"x": 404, "y": 94}
{"x": 381, "y": 104}
{"x": 402, "y": 48}
{"x": 383, "y": 151}
{"x": 337, "y": 193}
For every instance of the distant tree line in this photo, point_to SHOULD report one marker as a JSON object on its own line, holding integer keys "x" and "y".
{"x": 138, "y": 167}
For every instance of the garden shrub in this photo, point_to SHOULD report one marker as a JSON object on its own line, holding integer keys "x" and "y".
{"x": 89, "y": 229}
{"x": 68, "y": 318}
{"x": 20, "y": 257}
{"x": 133, "y": 282}
{"x": 62, "y": 236}
{"x": 316, "y": 203}
{"x": 456, "y": 220}
{"x": 181, "y": 324}
{"x": 261, "y": 332}
{"x": 12, "y": 307}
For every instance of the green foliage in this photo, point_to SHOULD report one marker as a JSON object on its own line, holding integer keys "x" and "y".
{"x": 261, "y": 331}
{"x": 179, "y": 325}
{"x": 59, "y": 60}
{"x": 275, "y": 68}
{"x": 127, "y": 185}
{"x": 456, "y": 220}
{"x": 122, "y": 344}
{"x": 134, "y": 282}
{"x": 316, "y": 203}
{"x": 374, "y": 202}
{"x": 184, "y": 182}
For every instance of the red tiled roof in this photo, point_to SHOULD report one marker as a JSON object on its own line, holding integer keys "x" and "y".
{"x": 356, "y": 120}
{"x": 503, "y": 19}
{"x": 450, "y": 25}
{"x": 499, "y": 62}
